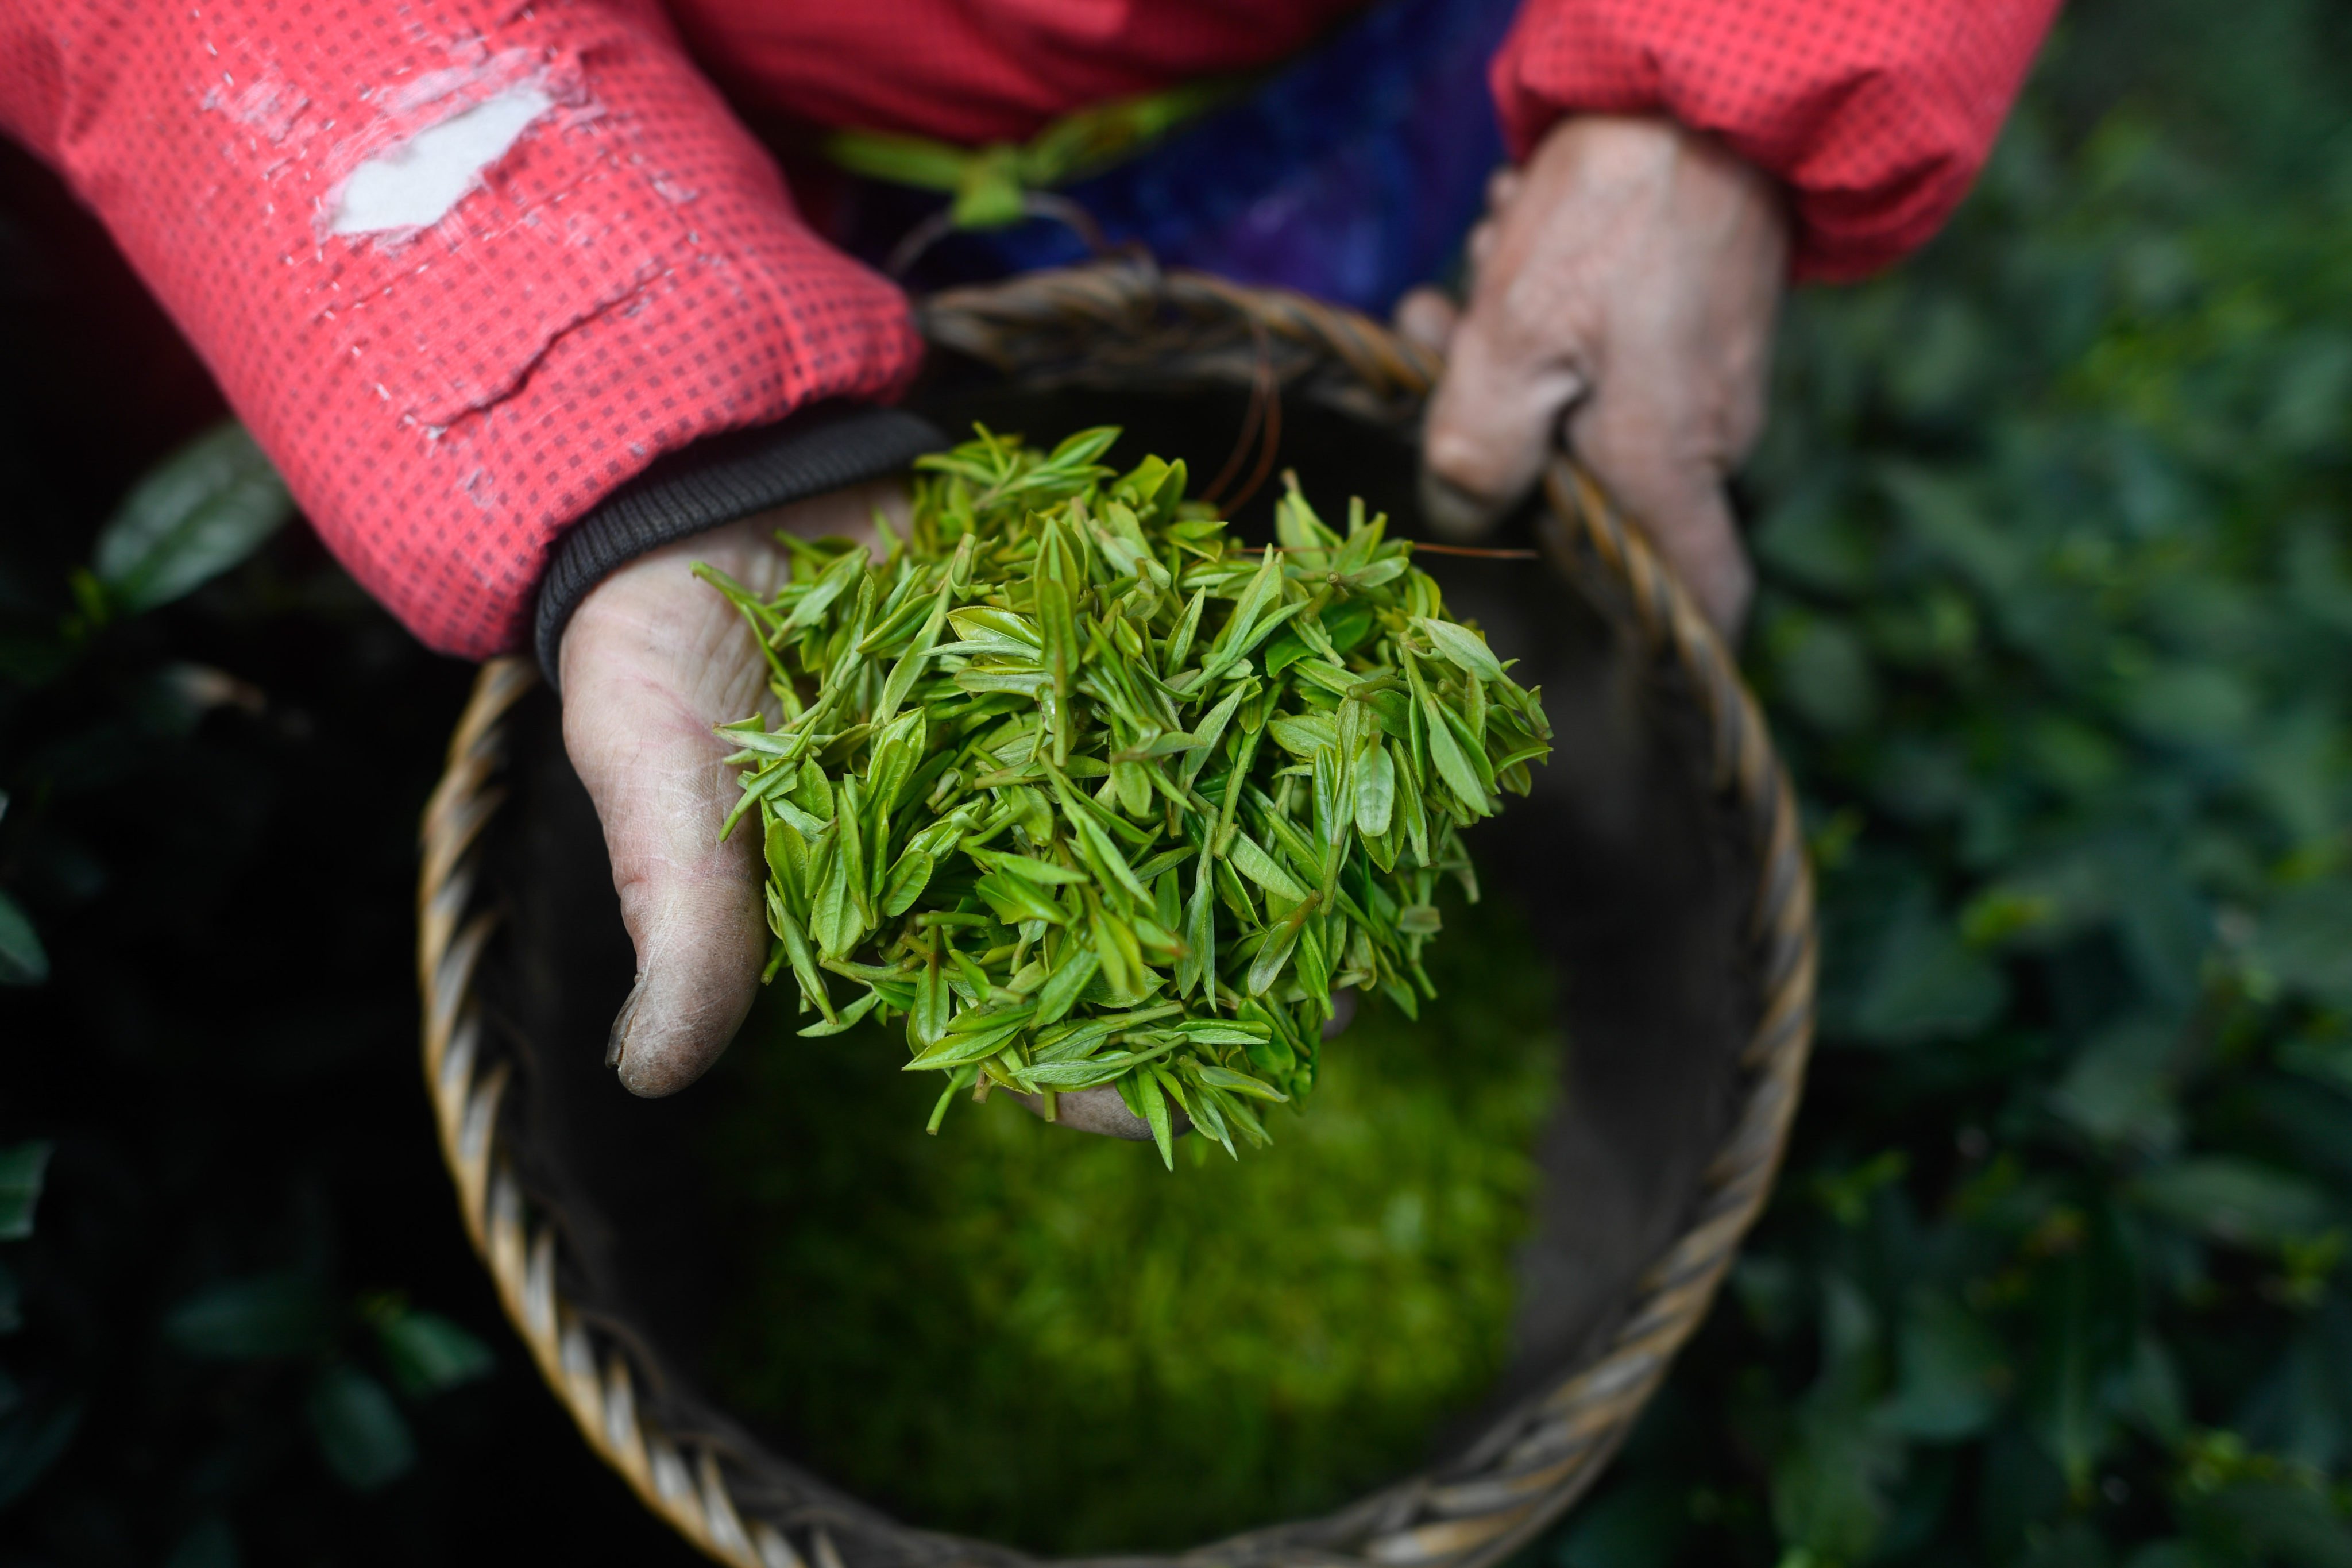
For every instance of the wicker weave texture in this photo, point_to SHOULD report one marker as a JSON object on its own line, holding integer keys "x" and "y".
{"x": 1094, "y": 324}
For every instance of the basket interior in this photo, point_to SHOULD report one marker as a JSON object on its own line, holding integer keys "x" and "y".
{"x": 1631, "y": 869}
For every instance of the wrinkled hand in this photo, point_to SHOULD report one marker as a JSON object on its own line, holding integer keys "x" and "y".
{"x": 1625, "y": 283}
{"x": 652, "y": 659}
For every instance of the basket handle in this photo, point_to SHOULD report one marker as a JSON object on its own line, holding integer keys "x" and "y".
{"x": 1124, "y": 314}
{"x": 917, "y": 241}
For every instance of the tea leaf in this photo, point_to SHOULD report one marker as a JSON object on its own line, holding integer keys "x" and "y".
{"x": 1263, "y": 868}
{"x": 428, "y": 1353}
{"x": 22, "y": 1170}
{"x": 1155, "y": 1111}
{"x": 202, "y": 511}
{"x": 23, "y": 960}
{"x": 1375, "y": 792}
{"x": 360, "y": 1432}
{"x": 1462, "y": 645}
{"x": 255, "y": 1318}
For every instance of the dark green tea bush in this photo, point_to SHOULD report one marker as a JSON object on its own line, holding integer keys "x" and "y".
{"x": 2055, "y": 627}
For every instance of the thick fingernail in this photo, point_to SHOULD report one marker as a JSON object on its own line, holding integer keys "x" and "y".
{"x": 1427, "y": 317}
{"x": 616, "y": 1045}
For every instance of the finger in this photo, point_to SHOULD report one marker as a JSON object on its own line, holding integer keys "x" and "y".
{"x": 842, "y": 514}
{"x": 652, "y": 661}
{"x": 1660, "y": 464}
{"x": 1700, "y": 540}
{"x": 1425, "y": 316}
{"x": 1503, "y": 187}
{"x": 1343, "y": 1013}
{"x": 1103, "y": 1112}
{"x": 1480, "y": 246}
{"x": 1495, "y": 414}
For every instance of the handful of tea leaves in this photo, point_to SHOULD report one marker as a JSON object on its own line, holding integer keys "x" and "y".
{"x": 1093, "y": 795}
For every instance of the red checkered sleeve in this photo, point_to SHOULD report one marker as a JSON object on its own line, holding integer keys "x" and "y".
{"x": 1876, "y": 114}
{"x": 445, "y": 391}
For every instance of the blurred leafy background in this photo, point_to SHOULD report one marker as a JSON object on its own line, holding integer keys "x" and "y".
{"x": 2055, "y": 626}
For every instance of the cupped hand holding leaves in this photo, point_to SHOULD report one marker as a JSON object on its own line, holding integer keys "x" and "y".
{"x": 1626, "y": 282}
{"x": 652, "y": 663}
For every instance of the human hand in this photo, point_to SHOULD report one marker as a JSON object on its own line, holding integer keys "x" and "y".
{"x": 652, "y": 658}
{"x": 652, "y": 661}
{"x": 1625, "y": 284}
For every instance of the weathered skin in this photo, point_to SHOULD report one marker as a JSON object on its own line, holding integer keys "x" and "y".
{"x": 1102, "y": 1110}
{"x": 1626, "y": 282}
{"x": 652, "y": 661}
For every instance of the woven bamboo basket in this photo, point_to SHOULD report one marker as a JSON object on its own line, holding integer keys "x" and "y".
{"x": 1660, "y": 857}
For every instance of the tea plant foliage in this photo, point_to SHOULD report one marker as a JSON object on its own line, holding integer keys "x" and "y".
{"x": 2055, "y": 625}
{"x": 200, "y": 1362}
{"x": 199, "y": 512}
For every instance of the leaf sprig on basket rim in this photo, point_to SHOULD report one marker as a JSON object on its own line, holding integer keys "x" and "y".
{"x": 1089, "y": 793}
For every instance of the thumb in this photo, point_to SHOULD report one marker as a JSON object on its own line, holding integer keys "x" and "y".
{"x": 1494, "y": 419}
{"x": 654, "y": 658}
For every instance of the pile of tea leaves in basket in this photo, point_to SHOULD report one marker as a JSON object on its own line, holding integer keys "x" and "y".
{"x": 1039, "y": 1339}
{"x": 1090, "y": 793}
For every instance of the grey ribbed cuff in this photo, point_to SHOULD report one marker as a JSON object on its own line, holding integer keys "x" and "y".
{"x": 716, "y": 480}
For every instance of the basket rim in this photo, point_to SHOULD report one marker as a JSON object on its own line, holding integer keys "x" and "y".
{"x": 1535, "y": 1459}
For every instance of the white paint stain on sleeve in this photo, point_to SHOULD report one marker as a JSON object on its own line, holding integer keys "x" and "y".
{"x": 415, "y": 183}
